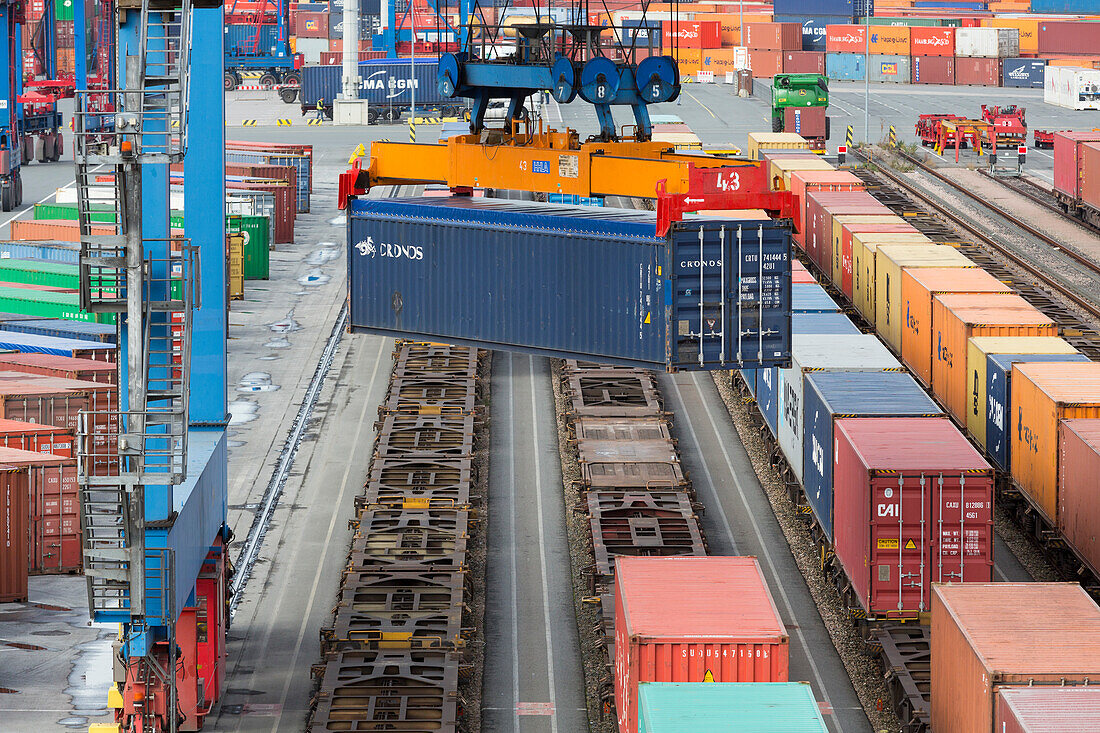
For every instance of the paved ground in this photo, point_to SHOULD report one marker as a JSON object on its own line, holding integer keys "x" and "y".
{"x": 532, "y": 645}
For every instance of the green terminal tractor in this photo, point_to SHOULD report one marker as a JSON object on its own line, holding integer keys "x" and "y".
{"x": 799, "y": 105}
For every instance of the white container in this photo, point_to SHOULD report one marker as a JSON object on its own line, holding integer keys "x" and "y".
{"x": 821, "y": 353}
{"x": 311, "y": 49}
{"x": 993, "y": 43}
{"x": 1072, "y": 87}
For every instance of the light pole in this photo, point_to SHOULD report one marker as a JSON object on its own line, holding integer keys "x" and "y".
{"x": 867, "y": 73}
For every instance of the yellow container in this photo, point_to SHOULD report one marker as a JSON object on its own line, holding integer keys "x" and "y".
{"x": 889, "y": 263}
{"x": 1044, "y": 393}
{"x": 781, "y": 170}
{"x": 774, "y": 141}
{"x": 864, "y": 248}
{"x": 978, "y": 348}
{"x": 235, "y": 251}
{"x": 838, "y": 237}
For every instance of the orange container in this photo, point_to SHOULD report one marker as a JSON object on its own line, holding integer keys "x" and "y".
{"x": 986, "y": 636}
{"x": 729, "y": 27}
{"x": 957, "y": 317}
{"x": 1029, "y": 31}
{"x": 890, "y": 40}
{"x": 1043, "y": 393}
{"x": 919, "y": 286}
{"x": 719, "y": 60}
{"x": 804, "y": 181}
{"x": 57, "y": 230}
{"x": 765, "y": 64}
{"x": 932, "y": 41}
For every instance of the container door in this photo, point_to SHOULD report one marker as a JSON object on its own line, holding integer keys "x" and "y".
{"x": 899, "y": 542}
{"x": 731, "y": 297}
{"x": 962, "y": 541}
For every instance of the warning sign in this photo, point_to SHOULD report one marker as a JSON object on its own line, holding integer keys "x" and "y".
{"x": 709, "y": 676}
{"x": 569, "y": 166}
{"x": 910, "y": 545}
{"x": 887, "y": 544}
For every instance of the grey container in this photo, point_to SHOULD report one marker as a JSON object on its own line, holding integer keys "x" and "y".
{"x": 889, "y": 68}
{"x": 576, "y": 282}
{"x": 67, "y": 252}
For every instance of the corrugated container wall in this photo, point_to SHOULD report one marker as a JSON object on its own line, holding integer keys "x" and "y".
{"x": 910, "y": 492}
{"x": 932, "y": 41}
{"x": 1023, "y": 73}
{"x": 1067, "y": 161}
{"x": 1090, "y": 176}
{"x": 1038, "y": 709}
{"x": 773, "y": 36}
{"x": 1068, "y": 36}
{"x": 998, "y": 394}
{"x": 845, "y": 66}
{"x": 868, "y": 257}
{"x": 989, "y": 636}
{"x": 14, "y": 516}
{"x": 1042, "y": 395}
{"x": 933, "y": 70}
{"x": 803, "y": 62}
{"x": 846, "y": 8}
{"x": 1079, "y": 488}
{"x": 604, "y": 261}
{"x": 1063, "y": 7}
{"x": 842, "y": 254}
{"x": 984, "y": 72}
{"x": 36, "y": 437}
{"x": 863, "y": 353}
{"x": 763, "y": 707}
{"x": 889, "y": 68}
{"x": 988, "y": 42}
{"x": 679, "y": 618}
{"x": 813, "y": 28}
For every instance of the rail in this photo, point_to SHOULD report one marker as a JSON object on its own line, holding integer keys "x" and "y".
{"x": 1021, "y": 186}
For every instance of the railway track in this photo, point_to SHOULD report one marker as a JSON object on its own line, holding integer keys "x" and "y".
{"x": 1041, "y": 290}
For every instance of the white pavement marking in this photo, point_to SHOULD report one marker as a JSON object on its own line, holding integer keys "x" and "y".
{"x": 512, "y": 536}
{"x": 763, "y": 545}
{"x": 542, "y": 547}
{"x": 30, "y": 208}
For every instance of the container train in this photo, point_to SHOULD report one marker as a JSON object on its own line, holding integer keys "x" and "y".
{"x": 1077, "y": 174}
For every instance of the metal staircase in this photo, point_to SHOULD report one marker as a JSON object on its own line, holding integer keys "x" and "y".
{"x": 151, "y": 279}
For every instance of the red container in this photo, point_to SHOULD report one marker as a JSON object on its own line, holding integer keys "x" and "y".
{"x": 847, "y": 230}
{"x": 820, "y": 208}
{"x": 273, "y": 172}
{"x": 773, "y": 36}
{"x": 54, "y": 536}
{"x": 1068, "y": 169}
{"x": 1090, "y": 174}
{"x": 932, "y": 70}
{"x": 692, "y": 34}
{"x": 899, "y": 484}
{"x": 691, "y": 619}
{"x": 765, "y": 64}
{"x": 1068, "y": 36}
{"x": 291, "y": 148}
{"x": 285, "y": 206}
{"x": 845, "y": 39}
{"x": 1078, "y": 490}
{"x": 329, "y": 58}
{"x": 14, "y": 515}
{"x": 311, "y": 25}
{"x": 803, "y": 62}
{"x": 971, "y": 71}
{"x": 48, "y": 405}
{"x": 809, "y": 122}
{"x": 51, "y": 365}
{"x": 931, "y": 41}
{"x": 1055, "y": 708}
{"x": 803, "y": 182}
{"x": 36, "y": 437}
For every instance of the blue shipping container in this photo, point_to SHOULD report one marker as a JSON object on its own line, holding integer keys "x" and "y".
{"x": 845, "y": 66}
{"x": 951, "y": 4}
{"x": 383, "y": 82}
{"x": 831, "y": 395}
{"x": 80, "y": 330}
{"x": 811, "y": 323}
{"x": 67, "y": 252}
{"x": 998, "y": 390}
{"x": 1075, "y": 7}
{"x": 813, "y": 28}
{"x": 848, "y": 9}
{"x": 571, "y": 199}
{"x": 1023, "y": 72}
{"x": 810, "y": 298}
{"x": 641, "y": 33}
{"x": 243, "y": 40}
{"x": 31, "y": 343}
{"x": 577, "y": 282}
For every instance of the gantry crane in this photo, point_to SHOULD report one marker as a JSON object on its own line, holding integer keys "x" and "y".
{"x": 153, "y": 492}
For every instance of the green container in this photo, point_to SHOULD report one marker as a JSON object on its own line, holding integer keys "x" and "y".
{"x": 48, "y": 305}
{"x": 63, "y": 10}
{"x": 887, "y": 20}
{"x": 257, "y": 256}
{"x": 728, "y": 707}
{"x": 39, "y": 272}
{"x": 68, "y": 211}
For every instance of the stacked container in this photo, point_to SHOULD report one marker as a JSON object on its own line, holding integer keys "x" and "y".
{"x": 845, "y": 226}
{"x": 54, "y": 535}
{"x": 14, "y": 514}
{"x": 833, "y": 395}
{"x": 1043, "y": 394}
{"x": 1078, "y": 489}
{"x": 999, "y": 423}
{"x": 933, "y": 70}
{"x": 869, "y": 248}
{"x": 1071, "y": 87}
{"x": 987, "y": 638}
{"x": 762, "y": 707}
{"x": 956, "y": 318}
{"x": 805, "y": 182}
{"x": 821, "y": 206}
{"x": 1057, "y": 708}
{"x": 690, "y": 619}
{"x": 914, "y": 506}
